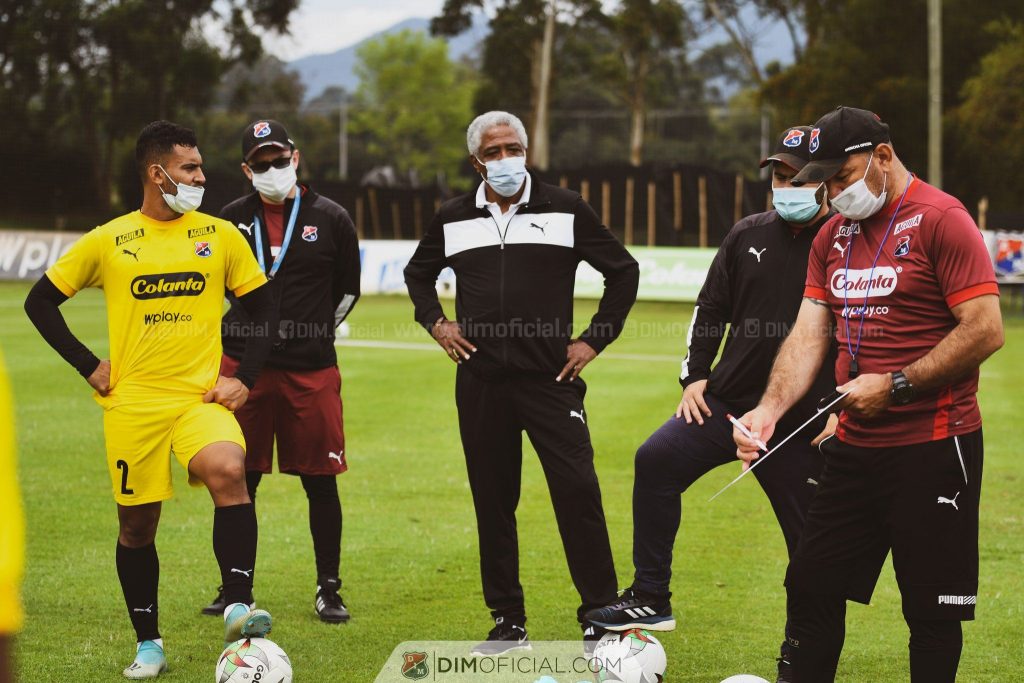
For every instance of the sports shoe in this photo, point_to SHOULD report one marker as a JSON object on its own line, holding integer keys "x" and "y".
{"x": 149, "y": 662}
{"x": 592, "y": 634}
{"x": 506, "y": 636}
{"x": 634, "y": 610}
{"x": 329, "y": 605}
{"x": 219, "y": 604}
{"x": 243, "y": 621}
{"x": 785, "y": 664}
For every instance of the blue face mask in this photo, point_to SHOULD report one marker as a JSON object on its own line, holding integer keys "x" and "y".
{"x": 796, "y": 204}
{"x": 506, "y": 176}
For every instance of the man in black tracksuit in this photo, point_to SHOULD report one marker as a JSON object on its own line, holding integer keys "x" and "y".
{"x": 755, "y": 286}
{"x": 514, "y": 245}
{"x": 307, "y": 246}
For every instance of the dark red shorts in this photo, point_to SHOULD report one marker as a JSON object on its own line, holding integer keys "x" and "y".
{"x": 302, "y": 409}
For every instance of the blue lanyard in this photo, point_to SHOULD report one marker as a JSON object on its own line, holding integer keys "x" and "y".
{"x": 854, "y": 369}
{"x": 284, "y": 244}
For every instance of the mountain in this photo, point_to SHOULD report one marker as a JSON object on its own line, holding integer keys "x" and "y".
{"x": 320, "y": 71}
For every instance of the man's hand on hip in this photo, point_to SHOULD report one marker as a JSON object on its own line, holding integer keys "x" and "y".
{"x": 760, "y": 422}
{"x": 229, "y": 392}
{"x": 829, "y": 430}
{"x": 577, "y": 354}
{"x": 448, "y": 334}
{"x": 692, "y": 405}
{"x": 100, "y": 378}
{"x": 868, "y": 395}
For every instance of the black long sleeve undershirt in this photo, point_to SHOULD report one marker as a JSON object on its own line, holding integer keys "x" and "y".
{"x": 43, "y": 308}
{"x": 262, "y": 309}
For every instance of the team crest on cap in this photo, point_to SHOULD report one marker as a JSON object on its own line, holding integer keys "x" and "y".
{"x": 309, "y": 233}
{"x": 902, "y": 246}
{"x": 203, "y": 249}
{"x": 261, "y": 130}
{"x": 793, "y": 138}
{"x": 812, "y": 146}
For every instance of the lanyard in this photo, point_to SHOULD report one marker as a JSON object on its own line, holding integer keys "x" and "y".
{"x": 284, "y": 244}
{"x": 854, "y": 367}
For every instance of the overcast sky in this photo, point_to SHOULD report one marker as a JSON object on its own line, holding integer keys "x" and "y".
{"x": 326, "y": 25}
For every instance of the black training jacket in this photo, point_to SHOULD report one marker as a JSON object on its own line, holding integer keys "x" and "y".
{"x": 315, "y": 288}
{"x": 514, "y": 293}
{"x": 755, "y": 285}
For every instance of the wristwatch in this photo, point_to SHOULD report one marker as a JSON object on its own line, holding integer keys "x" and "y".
{"x": 902, "y": 391}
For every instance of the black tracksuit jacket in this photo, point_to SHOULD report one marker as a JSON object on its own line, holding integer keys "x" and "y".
{"x": 755, "y": 286}
{"x": 514, "y": 297}
{"x": 315, "y": 288}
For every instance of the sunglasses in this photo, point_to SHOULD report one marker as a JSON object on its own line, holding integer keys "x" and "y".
{"x": 264, "y": 166}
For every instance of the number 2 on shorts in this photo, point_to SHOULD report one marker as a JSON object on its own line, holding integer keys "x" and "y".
{"x": 123, "y": 466}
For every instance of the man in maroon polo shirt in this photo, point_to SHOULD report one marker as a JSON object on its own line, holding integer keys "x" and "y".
{"x": 307, "y": 246}
{"x": 905, "y": 273}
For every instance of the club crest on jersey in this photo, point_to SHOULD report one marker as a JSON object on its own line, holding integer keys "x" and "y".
{"x": 815, "y": 142}
{"x": 309, "y": 233}
{"x": 261, "y": 130}
{"x": 793, "y": 138}
{"x": 902, "y": 246}
{"x": 203, "y": 249}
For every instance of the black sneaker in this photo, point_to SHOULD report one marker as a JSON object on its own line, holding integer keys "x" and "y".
{"x": 785, "y": 664}
{"x": 592, "y": 635}
{"x": 329, "y": 606}
{"x": 506, "y": 636}
{"x": 634, "y": 610}
{"x": 219, "y": 604}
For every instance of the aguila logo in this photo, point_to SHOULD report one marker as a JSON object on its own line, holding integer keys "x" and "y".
{"x": 793, "y": 138}
{"x": 864, "y": 283}
{"x": 164, "y": 285}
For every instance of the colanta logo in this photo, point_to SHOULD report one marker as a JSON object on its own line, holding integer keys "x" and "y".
{"x": 864, "y": 283}
{"x": 163, "y": 285}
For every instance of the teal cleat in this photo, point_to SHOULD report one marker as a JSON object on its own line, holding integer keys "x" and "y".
{"x": 149, "y": 662}
{"x": 243, "y": 621}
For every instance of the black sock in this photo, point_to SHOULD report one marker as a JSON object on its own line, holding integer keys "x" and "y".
{"x": 934, "y": 650}
{"x": 815, "y": 632}
{"x": 252, "y": 482}
{"x": 234, "y": 544}
{"x": 139, "y": 572}
{"x": 324, "y": 523}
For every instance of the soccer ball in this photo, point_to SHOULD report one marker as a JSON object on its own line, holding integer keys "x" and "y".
{"x": 744, "y": 678}
{"x": 254, "y": 660}
{"x": 633, "y": 656}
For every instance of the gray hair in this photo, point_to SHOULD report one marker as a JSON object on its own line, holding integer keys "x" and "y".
{"x": 484, "y": 122}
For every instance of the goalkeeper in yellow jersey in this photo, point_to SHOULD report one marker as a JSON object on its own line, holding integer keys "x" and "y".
{"x": 164, "y": 270}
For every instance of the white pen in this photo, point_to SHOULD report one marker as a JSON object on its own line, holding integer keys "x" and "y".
{"x": 746, "y": 432}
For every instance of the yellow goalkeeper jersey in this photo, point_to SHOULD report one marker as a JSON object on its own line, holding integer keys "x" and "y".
{"x": 12, "y": 521}
{"x": 164, "y": 283}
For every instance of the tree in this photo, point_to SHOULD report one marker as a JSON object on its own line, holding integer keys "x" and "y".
{"x": 413, "y": 102}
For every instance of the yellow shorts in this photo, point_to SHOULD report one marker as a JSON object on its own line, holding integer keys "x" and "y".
{"x": 142, "y": 436}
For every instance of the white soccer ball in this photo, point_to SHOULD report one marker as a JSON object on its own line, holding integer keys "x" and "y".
{"x": 254, "y": 660}
{"x": 633, "y": 656}
{"x": 744, "y": 678}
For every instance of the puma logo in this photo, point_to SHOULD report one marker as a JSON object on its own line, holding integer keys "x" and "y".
{"x": 133, "y": 254}
{"x": 540, "y": 227}
{"x": 951, "y": 501}
{"x": 335, "y": 456}
{"x": 246, "y": 573}
{"x": 840, "y": 248}
{"x": 573, "y": 413}
{"x": 247, "y": 229}
{"x": 757, "y": 253}
{"x": 148, "y": 610}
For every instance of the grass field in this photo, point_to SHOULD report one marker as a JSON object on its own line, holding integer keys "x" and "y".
{"x": 409, "y": 555}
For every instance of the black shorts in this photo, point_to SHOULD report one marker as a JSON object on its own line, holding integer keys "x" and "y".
{"x": 920, "y": 501}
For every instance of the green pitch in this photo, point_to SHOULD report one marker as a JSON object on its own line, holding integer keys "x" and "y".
{"x": 409, "y": 556}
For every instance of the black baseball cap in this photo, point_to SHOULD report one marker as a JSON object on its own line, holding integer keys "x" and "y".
{"x": 835, "y": 136}
{"x": 264, "y": 133}
{"x": 791, "y": 148}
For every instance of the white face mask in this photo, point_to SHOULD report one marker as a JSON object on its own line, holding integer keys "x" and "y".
{"x": 275, "y": 183}
{"x": 506, "y": 176}
{"x": 189, "y": 197}
{"x": 857, "y": 202}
